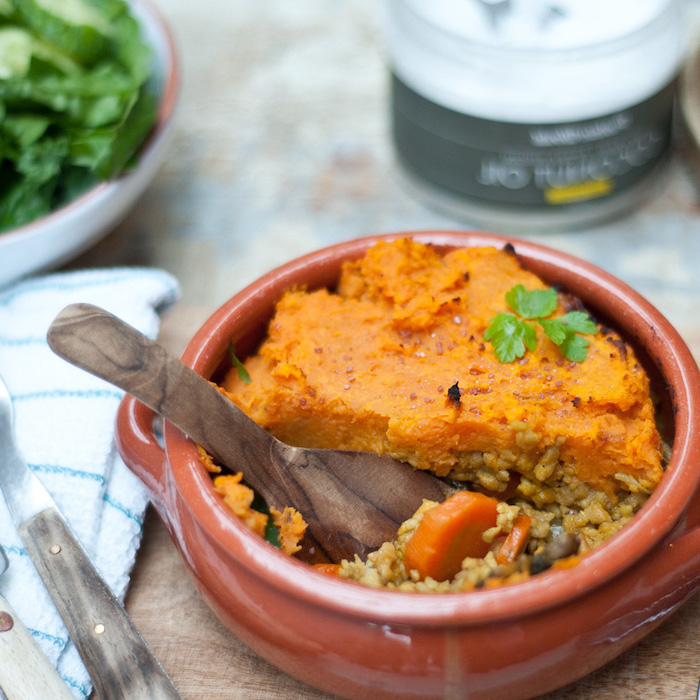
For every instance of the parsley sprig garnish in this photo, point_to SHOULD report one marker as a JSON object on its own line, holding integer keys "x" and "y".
{"x": 511, "y": 335}
{"x": 235, "y": 362}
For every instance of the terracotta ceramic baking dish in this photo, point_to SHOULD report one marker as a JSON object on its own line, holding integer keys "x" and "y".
{"x": 511, "y": 642}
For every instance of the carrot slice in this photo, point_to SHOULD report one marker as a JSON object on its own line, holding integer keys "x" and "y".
{"x": 448, "y": 533}
{"x": 516, "y": 540}
{"x": 331, "y": 569}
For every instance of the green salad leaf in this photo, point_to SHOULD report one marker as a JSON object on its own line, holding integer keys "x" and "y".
{"x": 511, "y": 335}
{"x": 76, "y": 100}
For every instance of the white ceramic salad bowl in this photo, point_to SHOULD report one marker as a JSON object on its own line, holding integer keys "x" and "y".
{"x": 74, "y": 227}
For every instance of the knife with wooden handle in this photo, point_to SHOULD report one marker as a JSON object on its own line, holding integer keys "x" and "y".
{"x": 25, "y": 672}
{"x": 120, "y": 663}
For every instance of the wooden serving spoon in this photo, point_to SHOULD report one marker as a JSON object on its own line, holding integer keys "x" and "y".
{"x": 351, "y": 501}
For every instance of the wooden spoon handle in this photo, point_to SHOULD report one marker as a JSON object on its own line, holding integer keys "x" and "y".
{"x": 352, "y": 502}
{"x": 104, "y": 345}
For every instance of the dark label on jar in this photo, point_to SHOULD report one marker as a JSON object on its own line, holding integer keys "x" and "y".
{"x": 532, "y": 165}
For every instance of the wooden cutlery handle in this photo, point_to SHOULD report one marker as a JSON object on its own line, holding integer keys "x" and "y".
{"x": 100, "y": 343}
{"x": 117, "y": 658}
{"x": 25, "y": 672}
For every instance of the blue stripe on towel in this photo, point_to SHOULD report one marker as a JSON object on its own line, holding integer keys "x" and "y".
{"x": 59, "y": 642}
{"x": 67, "y": 471}
{"x": 70, "y": 394}
{"x": 22, "y": 342}
{"x": 123, "y": 509}
{"x": 76, "y": 685}
{"x": 11, "y": 549}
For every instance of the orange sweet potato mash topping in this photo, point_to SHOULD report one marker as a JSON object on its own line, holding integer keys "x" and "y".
{"x": 209, "y": 464}
{"x": 239, "y": 498}
{"x": 394, "y": 361}
{"x": 291, "y": 528}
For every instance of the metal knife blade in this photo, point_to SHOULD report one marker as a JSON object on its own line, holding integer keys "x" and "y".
{"x": 115, "y": 654}
{"x": 25, "y": 672}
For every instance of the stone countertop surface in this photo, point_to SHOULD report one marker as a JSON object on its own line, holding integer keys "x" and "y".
{"x": 282, "y": 145}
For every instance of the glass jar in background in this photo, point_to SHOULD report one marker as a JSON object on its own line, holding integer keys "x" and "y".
{"x": 533, "y": 114}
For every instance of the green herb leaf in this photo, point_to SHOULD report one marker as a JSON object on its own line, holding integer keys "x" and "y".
{"x": 564, "y": 332}
{"x": 554, "y": 329}
{"x": 574, "y": 348}
{"x": 536, "y": 303}
{"x": 235, "y": 362}
{"x": 271, "y": 530}
{"x": 510, "y": 335}
{"x": 580, "y": 322}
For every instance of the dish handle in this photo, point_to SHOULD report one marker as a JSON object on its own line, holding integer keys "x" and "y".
{"x": 139, "y": 447}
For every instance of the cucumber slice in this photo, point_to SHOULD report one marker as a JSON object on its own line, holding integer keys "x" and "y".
{"x": 15, "y": 52}
{"x": 76, "y": 27}
{"x": 18, "y": 46}
{"x": 7, "y": 8}
{"x": 76, "y": 13}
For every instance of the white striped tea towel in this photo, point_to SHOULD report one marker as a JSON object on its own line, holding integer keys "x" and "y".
{"x": 64, "y": 421}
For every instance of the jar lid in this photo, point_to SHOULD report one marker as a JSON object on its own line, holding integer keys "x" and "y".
{"x": 540, "y": 25}
{"x": 445, "y": 58}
